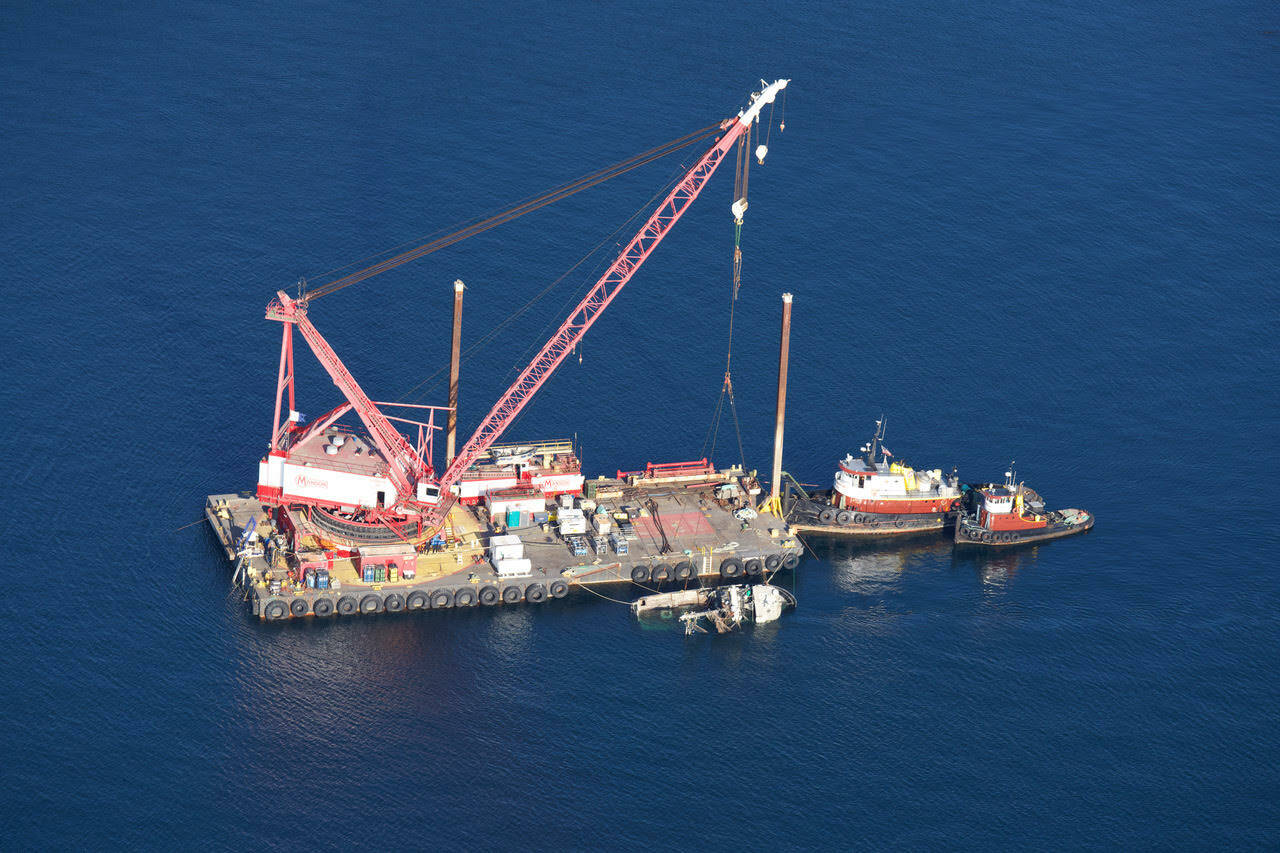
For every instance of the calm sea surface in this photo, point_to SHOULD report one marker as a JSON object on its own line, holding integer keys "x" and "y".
{"x": 1042, "y": 232}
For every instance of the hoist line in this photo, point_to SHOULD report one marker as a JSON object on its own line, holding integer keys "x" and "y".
{"x": 472, "y": 350}
{"x": 549, "y": 197}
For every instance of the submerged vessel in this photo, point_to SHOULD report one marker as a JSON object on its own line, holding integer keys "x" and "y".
{"x": 1000, "y": 515}
{"x": 870, "y": 497}
{"x": 725, "y": 608}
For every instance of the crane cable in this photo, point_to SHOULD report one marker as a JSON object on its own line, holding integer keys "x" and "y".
{"x": 528, "y": 206}
{"x": 741, "y": 174}
{"x": 485, "y": 339}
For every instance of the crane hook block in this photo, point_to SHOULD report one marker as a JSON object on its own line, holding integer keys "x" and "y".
{"x": 761, "y": 150}
{"x": 739, "y": 207}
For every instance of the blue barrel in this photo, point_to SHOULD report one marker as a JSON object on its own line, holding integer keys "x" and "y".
{"x": 322, "y": 579}
{"x": 368, "y": 574}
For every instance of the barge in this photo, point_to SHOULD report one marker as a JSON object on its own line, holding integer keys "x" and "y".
{"x": 673, "y": 527}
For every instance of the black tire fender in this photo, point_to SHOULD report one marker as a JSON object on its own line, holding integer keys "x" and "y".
{"x": 662, "y": 573}
{"x": 394, "y": 602}
{"x": 731, "y": 568}
{"x": 827, "y": 515}
{"x": 417, "y": 600}
{"x": 511, "y": 595}
{"x": 639, "y": 574}
{"x": 900, "y": 523}
{"x": 347, "y": 605}
{"x": 465, "y": 597}
{"x": 684, "y": 571}
{"x": 859, "y": 519}
{"x": 323, "y": 606}
{"x": 772, "y": 562}
{"x": 753, "y": 567}
{"x": 441, "y": 599}
{"x": 536, "y": 593}
{"x": 844, "y": 517}
{"x": 559, "y": 589}
{"x": 370, "y": 604}
{"x": 275, "y": 609}
{"x": 489, "y": 596}
{"x": 791, "y": 560}
{"x": 299, "y": 607}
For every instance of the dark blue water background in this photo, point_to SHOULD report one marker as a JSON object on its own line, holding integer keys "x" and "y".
{"x": 1033, "y": 231}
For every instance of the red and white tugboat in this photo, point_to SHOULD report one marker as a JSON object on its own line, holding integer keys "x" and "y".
{"x": 996, "y": 516}
{"x": 873, "y": 498}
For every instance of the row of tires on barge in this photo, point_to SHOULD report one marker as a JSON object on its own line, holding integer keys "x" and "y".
{"x": 730, "y": 569}
{"x": 368, "y": 603}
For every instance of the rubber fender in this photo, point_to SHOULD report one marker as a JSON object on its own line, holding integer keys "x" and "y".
{"x": 639, "y": 574}
{"x": 559, "y": 589}
{"x": 417, "y": 600}
{"x": 489, "y": 595}
{"x": 827, "y": 515}
{"x": 536, "y": 593}
{"x": 844, "y": 517}
{"x": 511, "y": 595}
{"x": 753, "y": 567}
{"x": 299, "y": 607}
{"x": 987, "y": 537}
{"x": 899, "y": 523}
{"x": 394, "y": 602}
{"x": 323, "y": 606}
{"x": 772, "y": 562}
{"x": 347, "y": 605}
{"x": 465, "y": 597}
{"x": 731, "y": 568}
{"x": 274, "y": 609}
{"x": 791, "y": 560}
{"x": 662, "y": 573}
{"x": 1008, "y": 537}
{"x": 441, "y": 599}
{"x": 684, "y": 571}
{"x": 370, "y": 604}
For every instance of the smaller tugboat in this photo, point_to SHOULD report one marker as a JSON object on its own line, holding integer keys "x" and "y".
{"x": 725, "y": 608}
{"x": 997, "y": 516}
{"x": 877, "y": 498}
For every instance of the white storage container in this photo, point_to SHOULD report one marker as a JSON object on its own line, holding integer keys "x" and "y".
{"x": 513, "y": 568}
{"x": 571, "y": 521}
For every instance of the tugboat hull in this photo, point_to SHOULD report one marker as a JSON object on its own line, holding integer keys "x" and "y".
{"x": 970, "y": 533}
{"x": 819, "y": 516}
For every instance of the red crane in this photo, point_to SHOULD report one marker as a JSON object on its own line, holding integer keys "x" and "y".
{"x": 408, "y": 470}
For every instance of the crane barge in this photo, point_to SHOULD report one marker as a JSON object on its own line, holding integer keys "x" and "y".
{"x": 361, "y": 521}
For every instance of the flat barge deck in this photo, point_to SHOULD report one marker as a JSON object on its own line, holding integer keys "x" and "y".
{"x": 680, "y": 536}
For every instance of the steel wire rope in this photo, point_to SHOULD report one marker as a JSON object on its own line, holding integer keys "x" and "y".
{"x": 553, "y": 195}
{"x": 586, "y": 284}
{"x": 472, "y": 350}
{"x": 672, "y": 146}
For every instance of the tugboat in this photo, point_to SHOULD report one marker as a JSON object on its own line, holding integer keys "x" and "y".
{"x": 870, "y": 498}
{"x": 997, "y": 516}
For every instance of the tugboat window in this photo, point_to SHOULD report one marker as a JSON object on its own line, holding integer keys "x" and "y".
{"x": 861, "y": 482}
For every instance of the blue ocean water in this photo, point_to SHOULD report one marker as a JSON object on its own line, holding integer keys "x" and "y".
{"x": 1026, "y": 230}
